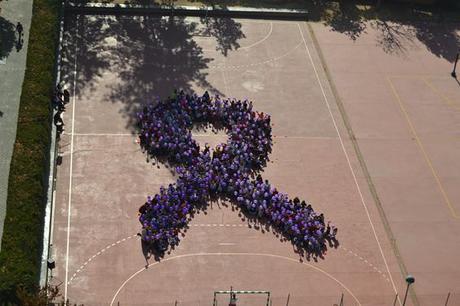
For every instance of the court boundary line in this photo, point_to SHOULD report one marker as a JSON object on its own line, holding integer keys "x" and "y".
{"x": 75, "y": 134}
{"x": 426, "y": 157}
{"x": 235, "y": 254}
{"x": 69, "y": 205}
{"x": 349, "y": 162}
{"x": 48, "y": 224}
{"x": 362, "y": 163}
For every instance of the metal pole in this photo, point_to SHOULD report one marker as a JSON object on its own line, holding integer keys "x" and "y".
{"x": 341, "y": 300}
{"x": 232, "y": 301}
{"x": 409, "y": 280}
{"x": 396, "y": 298}
{"x": 453, "y": 73}
{"x": 405, "y": 295}
{"x": 447, "y": 300}
{"x": 287, "y": 302}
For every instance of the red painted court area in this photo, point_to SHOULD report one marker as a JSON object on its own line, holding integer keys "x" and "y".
{"x": 113, "y": 66}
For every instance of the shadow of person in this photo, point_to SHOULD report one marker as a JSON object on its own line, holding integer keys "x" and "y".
{"x": 1, "y": 114}
{"x": 19, "y": 44}
{"x": 146, "y": 251}
{"x": 304, "y": 250}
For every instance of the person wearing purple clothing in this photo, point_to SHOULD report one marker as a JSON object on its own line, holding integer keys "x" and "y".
{"x": 226, "y": 171}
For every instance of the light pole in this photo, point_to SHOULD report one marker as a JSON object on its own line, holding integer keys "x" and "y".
{"x": 409, "y": 280}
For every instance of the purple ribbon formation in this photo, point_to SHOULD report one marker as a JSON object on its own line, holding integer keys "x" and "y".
{"x": 229, "y": 171}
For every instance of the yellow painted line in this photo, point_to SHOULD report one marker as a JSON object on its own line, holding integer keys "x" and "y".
{"x": 418, "y": 76}
{"x": 425, "y": 154}
{"x": 425, "y": 78}
{"x": 439, "y": 93}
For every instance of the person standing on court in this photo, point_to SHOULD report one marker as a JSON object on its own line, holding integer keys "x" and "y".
{"x": 19, "y": 29}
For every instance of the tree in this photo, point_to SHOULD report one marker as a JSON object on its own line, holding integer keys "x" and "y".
{"x": 41, "y": 297}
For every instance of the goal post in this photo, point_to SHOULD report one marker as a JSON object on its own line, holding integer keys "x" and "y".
{"x": 233, "y": 296}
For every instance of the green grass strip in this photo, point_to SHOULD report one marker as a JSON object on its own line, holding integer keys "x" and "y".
{"x": 23, "y": 230}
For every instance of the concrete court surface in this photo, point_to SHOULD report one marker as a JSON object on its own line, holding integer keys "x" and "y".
{"x": 403, "y": 107}
{"x": 115, "y": 65}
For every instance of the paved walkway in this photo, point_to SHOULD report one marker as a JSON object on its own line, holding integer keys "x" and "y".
{"x": 11, "y": 77}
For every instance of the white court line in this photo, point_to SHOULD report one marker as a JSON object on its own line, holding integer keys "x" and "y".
{"x": 134, "y": 135}
{"x": 225, "y": 81}
{"x": 260, "y": 41}
{"x": 236, "y": 254}
{"x": 103, "y": 134}
{"x": 275, "y": 137}
{"x": 270, "y": 60}
{"x": 119, "y": 242}
{"x": 270, "y": 31}
{"x": 349, "y": 162}
{"x": 69, "y": 206}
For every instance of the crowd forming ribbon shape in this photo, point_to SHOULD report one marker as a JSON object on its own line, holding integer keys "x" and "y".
{"x": 229, "y": 171}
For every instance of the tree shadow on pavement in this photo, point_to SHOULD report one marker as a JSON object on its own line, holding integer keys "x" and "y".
{"x": 442, "y": 39}
{"x": 226, "y": 31}
{"x": 342, "y": 17}
{"x": 8, "y": 37}
{"x": 150, "y": 55}
{"x": 154, "y": 56}
{"x": 393, "y": 37}
{"x": 84, "y": 38}
{"x": 398, "y": 25}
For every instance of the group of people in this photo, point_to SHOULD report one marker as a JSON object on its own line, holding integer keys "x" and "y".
{"x": 60, "y": 99}
{"x": 229, "y": 171}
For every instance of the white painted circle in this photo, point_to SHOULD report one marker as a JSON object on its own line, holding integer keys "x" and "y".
{"x": 235, "y": 254}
